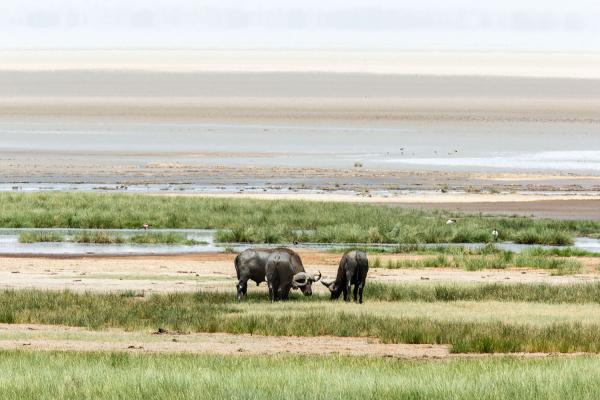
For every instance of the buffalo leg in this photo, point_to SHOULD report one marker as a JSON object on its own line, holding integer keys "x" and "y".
{"x": 355, "y": 292}
{"x": 271, "y": 292}
{"x": 347, "y": 286}
{"x": 361, "y": 287}
{"x": 242, "y": 287}
{"x": 347, "y": 290}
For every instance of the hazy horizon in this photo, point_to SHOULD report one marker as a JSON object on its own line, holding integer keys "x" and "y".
{"x": 310, "y": 24}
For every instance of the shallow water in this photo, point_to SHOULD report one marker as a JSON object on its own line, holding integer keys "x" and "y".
{"x": 9, "y": 244}
{"x": 496, "y": 146}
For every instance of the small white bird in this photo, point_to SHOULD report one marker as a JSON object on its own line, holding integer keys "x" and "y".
{"x": 495, "y": 235}
{"x": 450, "y": 222}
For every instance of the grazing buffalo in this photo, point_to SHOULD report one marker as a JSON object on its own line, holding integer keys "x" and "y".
{"x": 250, "y": 264}
{"x": 285, "y": 271}
{"x": 353, "y": 269}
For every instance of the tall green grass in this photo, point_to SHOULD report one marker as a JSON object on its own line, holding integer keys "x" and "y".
{"x": 488, "y": 248}
{"x": 100, "y": 237}
{"x": 161, "y": 238}
{"x": 560, "y": 252}
{"x": 263, "y": 221}
{"x": 501, "y": 260}
{"x": 209, "y": 312}
{"x": 71, "y": 375}
{"x": 578, "y": 293}
{"x": 37, "y": 237}
{"x": 103, "y": 237}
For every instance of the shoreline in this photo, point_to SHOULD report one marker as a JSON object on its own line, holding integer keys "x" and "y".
{"x": 426, "y": 62}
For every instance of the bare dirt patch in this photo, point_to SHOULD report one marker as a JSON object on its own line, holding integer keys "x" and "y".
{"x": 77, "y": 339}
{"x": 33, "y": 337}
{"x": 192, "y": 272}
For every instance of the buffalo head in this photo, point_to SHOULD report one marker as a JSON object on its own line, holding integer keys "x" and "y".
{"x": 334, "y": 288}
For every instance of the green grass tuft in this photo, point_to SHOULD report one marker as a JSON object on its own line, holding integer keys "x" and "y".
{"x": 37, "y": 237}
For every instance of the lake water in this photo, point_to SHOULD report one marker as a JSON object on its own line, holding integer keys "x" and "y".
{"x": 9, "y": 244}
{"x": 494, "y": 146}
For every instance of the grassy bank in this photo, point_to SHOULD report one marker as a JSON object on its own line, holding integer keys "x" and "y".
{"x": 256, "y": 221}
{"x": 577, "y": 293}
{"x": 216, "y": 312}
{"x": 67, "y": 375}
{"x": 458, "y": 250}
{"x": 101, "y": 237}
{"x": 502, "y": 260}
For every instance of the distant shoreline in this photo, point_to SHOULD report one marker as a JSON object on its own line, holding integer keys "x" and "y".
{"x": 580, "y": 65}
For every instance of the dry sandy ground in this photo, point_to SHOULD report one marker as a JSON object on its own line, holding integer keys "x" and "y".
{"x": 50, "y": 337}
{"x": 156, "y": 274}
{"x": 36, "y": 337}
{"x": 376, "y": 101}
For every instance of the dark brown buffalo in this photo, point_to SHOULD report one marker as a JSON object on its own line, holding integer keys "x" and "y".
{"x": 353, "y": 270}
{"x": 284, "y": 271}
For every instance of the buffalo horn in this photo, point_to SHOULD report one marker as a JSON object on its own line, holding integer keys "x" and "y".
{"x": 315, "y": 278}
{"x": 327, "y": 283}
{"x": 300, "y": 279}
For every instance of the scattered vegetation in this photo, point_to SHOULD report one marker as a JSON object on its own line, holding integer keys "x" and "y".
{"x": 560, "y": 252}
{"x": 420, "y": 249}
{"x": 543, "y": 236}
{"x": 500, "y": 260}
{"x": 217, "y": 312}
{"x": 37, "y": 237}
{"x": 103, "y": 237}
{"x": 579, "y": 293}
{"x": 100, "y": 237}
{"x": 75, "y": 375}
{"x": 162, "y": 238}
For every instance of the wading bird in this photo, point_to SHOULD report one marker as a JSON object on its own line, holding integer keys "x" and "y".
{"x": 495, "y": 235}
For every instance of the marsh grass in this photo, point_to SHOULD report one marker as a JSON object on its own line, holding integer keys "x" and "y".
{"x": 277, "y": 221}
{"x": 162, "y": 238}
{"x": 37, "y": 237}
{"x": 103, "y": 237}
{"x": 218, "y": 312}
{"x": 560, "y": 266}
{"x": 421, "y": 249}
{"x": 543, "y": 236}
{"x": 562, "y": 252}
{"x": 100, "y": 237}
{"x": 500, "y": 260}
{"x": 71, "y": 375}
{"x": 516, "y": 292}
